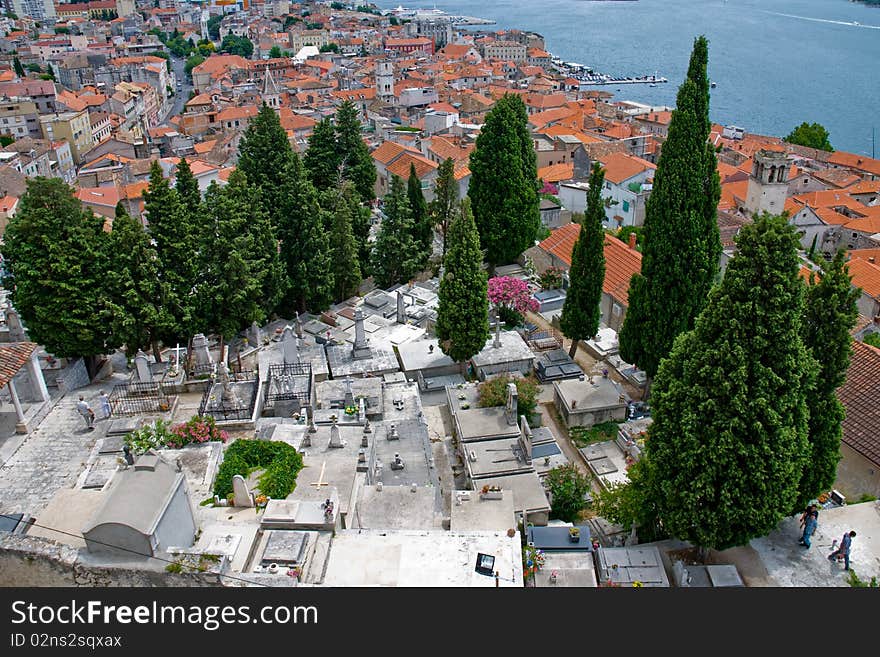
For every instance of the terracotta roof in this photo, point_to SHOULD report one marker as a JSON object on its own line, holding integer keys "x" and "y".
{"x": 620, "y": 166}
{"x": 387, "y": 151}
{"x": 621, "y": 262}
{"x": 859, "y": 395}
{"x": 556, "y": 172}
{"x": 857, "y": 162}
{"x": 233, "y": 113}
{"x": 836, "y": 177}
{"x": 864, "y": 187}
{"x": 866, "y": 254}
{"x": 13, "y": 357}
{"x": 865, "y": 275}
{"x": 400, "y": 166}
{"x": 103, "y": 196}
{"x": 869, "y": 225}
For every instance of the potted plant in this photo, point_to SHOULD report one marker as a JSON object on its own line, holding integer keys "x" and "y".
{"x": 574, "y": 534}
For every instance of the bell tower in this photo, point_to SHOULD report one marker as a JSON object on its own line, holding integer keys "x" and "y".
{"x": 768, "y": 183}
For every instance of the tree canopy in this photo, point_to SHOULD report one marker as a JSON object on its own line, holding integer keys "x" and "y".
{"x": 396, "y": 257}
{"x": 813, "y": 135}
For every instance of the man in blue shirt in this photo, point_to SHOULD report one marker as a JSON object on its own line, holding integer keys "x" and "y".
{"x": 843, "y": 550}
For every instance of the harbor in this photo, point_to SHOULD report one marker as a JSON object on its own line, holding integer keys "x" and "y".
{"x": 589, "y": 78}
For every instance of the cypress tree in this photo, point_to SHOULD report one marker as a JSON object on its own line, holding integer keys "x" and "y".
{"x": 136, "y": 290}
{"x": 173, "y": 229}
{"x": 463, "y": 311}
{"x": 681, "y": 240}
{"x": 830, "y": 313}
{"x": 187, "y": 187}
{"x": 56, "y": 256}
{"x": 396, "y": 256}
{"x": 19, "y": 69}
{"x": 357, "y": 164}
{"x": 305, "y": 246}
{"x": 580, "y": 314}
{"x": 728, "y": 442}
{"x": 263, "y": 154}
{"x": 504, "y": 183}
{"x": 345, "y": 265}
{"x": 422, "y": 230}
{"x": 322, "y": 158}
{"x": 445, "y": 204}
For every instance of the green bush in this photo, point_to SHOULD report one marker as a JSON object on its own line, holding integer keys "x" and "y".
{"x": 281, "y": 462}
{"x": 493, "y": 392}
{"x": 149, "y": 437}
{"x": 872, "y": 339}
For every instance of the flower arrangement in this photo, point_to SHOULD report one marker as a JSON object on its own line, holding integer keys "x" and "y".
{"x": 551, "y": 279}
{"x": 199, "y": 429}
{"x": 351, "y": 410}
{"x": 533, "y": 561}
{"x": 261, "y": 500}
{"x": 490, "y": 489}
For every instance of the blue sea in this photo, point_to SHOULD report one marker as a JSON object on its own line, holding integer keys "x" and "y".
{"x": 776, "y": 63}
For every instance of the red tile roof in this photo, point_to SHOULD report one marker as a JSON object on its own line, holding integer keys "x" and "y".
{"x": 620, "y": 167}
{"x": 859, "y": 395}
{"x": 13, "y": 357}
{"x": 865, "y": 275}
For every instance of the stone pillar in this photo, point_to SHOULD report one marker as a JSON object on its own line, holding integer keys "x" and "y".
{"x": 38, "y": 383}
{"x": 20, "y": 427}
{"x": 361, "y": 344}
{"x": 256, "y": 335}
{"x": 497, "y": 342}
{"x": 142, "y": 365}
{"x": 401, "y": 309}
{"x": 299, "y": 326}
{"x": 201, "y": 354}
{"x": 289, "y": 346}
{"x": 13, "y": 323}
{"x": 511, "y": 412}
{"x": 349, "y": 395}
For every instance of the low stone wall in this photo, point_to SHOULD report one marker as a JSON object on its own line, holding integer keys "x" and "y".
{"x": 75, "y": 376}
{"x": 30, "y": 561}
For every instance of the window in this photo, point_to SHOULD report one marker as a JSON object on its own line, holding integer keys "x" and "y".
{"x": 607, "y": 185}
{"x": 626, "y": 206}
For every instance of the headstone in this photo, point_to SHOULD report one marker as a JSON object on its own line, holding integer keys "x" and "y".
{"x": 289, "y": 346}
{"x": 393, "y": 435}
{"x": 241, "y": 496}
{"x": 201, "y": 354}
{"x": 349, "y": 395}
{"x": 142, "y": 366}
{"x": 255, "y": 336}
{"x": 367, "y": 427}
{"x": 497, "y": 342}
{"x": 511, "y": 410}
{"x": 13, "y": 323}
{"x": 299, "y": 326}
{"x": 335, "y": 440}
{"x": 229, "y": 398}
{"x": 361, "y": 348}
{"x": 362, "y": 410}
{"x": 401, "y": 309}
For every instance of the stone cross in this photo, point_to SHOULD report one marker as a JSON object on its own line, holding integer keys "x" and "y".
{"x": 320, "y": 482}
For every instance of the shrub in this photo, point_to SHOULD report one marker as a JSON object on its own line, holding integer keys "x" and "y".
{"x": 149, "y": 437}
{"x": 493, "y": 392}
{"x": 282, "y": 463}
{"x": 568, "y": 486}
{"x": 199, "y": 429}
{"x": 551, "y": 279}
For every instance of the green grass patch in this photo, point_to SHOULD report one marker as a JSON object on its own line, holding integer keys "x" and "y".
{"x": 583, "y": 436}
{"x": 281, "y": 462}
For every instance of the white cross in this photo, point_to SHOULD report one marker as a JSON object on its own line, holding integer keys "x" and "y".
{"x": 320, "y": 482}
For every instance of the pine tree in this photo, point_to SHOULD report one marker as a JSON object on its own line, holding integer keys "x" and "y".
{"x": 305, "y": 247}
{"x": 422, "y": 229}
{"x": 322, "y": 159}
{"x": 729, "y": 438}
{"x": 187, "y": 187}
{"x": 344, "y": 250}
{"x": 681, "y": 240}
{"x": 580, "y": 314}
{"x": 173, "y": 229}
{"x": 445, "y": 204}
{"x": 263, "y": 154}
{"x": 136, "y": 291}
{"x": 19, "y": 69}
{"x": 56, "y": 255}
{"x": 504, "y": 182}
{"x": 830, "y": 313}
{"x": 395, "y": 255}
{"x": 463, "y": 311}
{"x": 357, "y": 163}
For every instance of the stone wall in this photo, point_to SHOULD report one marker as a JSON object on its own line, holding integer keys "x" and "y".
{"x": 75, "y": 376}
{"x": 856, "y": 475}
{"x": 31, "y": 561}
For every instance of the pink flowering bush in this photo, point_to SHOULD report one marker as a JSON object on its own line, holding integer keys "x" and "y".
{"x": 199, "y": 429}
{"x": 512, "y": 293}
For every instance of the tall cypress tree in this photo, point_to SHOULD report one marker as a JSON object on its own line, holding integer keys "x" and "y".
{"x": 830, "y": 313}
{"x": 422, "y": 230}
{"x": 682, "y": 244}
{"x": 580, "y": 314}
{"x": 322, "y": 158}
{"x": 263, "y": 155}
{"x": 305, "y": 246}
{"x": 173, "y": 229}
{"x": 187, "y": 186}
{"x": 56, "y": 257}
{"x": 344, "y": 259}
{"x": 728, "y": 442}
{"x": 395, "y": 255}
{"x": 445, "y": 205}
{"x": 463, "y": 311}
{"x": 504, "y": 183}
{"x": 357, "y": 164}
{"x": 136, "y": 290}
{"x": 19, "y": 69}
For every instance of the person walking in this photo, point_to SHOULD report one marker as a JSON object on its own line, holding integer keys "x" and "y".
{"x": 105, "y": 405}
{"x": 843, "y": 549}
{"x": 811, "y": 520}
{"x": 88, "y": 415}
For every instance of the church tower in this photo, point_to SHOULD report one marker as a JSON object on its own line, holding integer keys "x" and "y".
{"x": 768, "y": 183}
{"x": 271, "y": 93}
{"x": 385, "y": 81}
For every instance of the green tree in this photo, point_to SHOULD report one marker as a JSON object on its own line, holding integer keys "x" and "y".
{"x": 136, "y": 290}
{"x": 56, "y": 258}
{"x": 19, "y": 69}
{"x": 463, "y": 311}
{"x": 234, "y": 45}
{"x": 305, "y": 245}
{"x": 813, "y": 135}
{"x": 214, "y": 27}
{"x": 329, "y": 47}
{"x": 504, "y": 182}
{"x": 729, "y": 438}
{"x": 173, "y": 229}
{"x": 187, "y": 187}
{"x": 423, "y": 232}
{"x": 275, "y": 52}
{"x": 681, "y": 241}
{"x": 321, "y": 159}
{"x": 445, "y": 205}
{"x": 567, "y": 486}
{"x": 580, "y": 314}
{"x": 191, "y": 63}
{"x": 357, "y": 164}
{"x": 830, "y": 313}
{"x": 396, "y": 255}
{"x": 344, "y": 247}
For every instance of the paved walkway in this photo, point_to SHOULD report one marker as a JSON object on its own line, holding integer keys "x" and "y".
{"x": 54, "y": 455}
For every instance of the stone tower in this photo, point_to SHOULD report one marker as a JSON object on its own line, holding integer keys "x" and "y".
{"x": 385, "y": 81}
{"x": 768, "y": 183}
{"x": 271, "y": 93}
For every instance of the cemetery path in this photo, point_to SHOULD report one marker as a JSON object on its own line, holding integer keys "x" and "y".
{"x": 53, "y": 456}
{"x": 571, "y": 452}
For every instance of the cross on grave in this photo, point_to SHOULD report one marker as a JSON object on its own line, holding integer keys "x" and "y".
{"x": 177, "y": 351}
{"x": 320, "y": 482}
